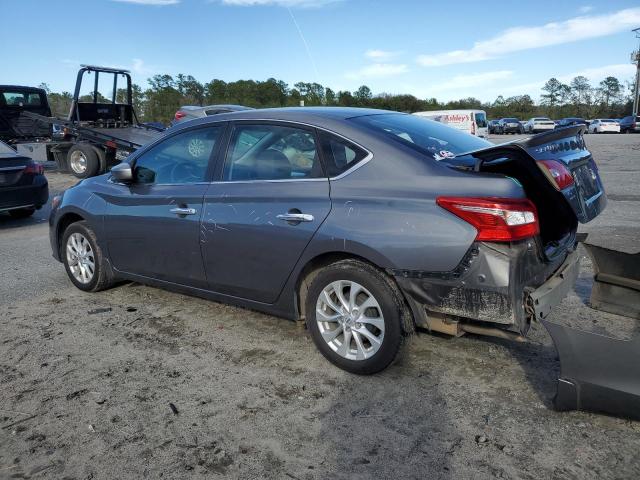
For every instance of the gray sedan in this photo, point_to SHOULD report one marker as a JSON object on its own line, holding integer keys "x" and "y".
{"x": 365, "y": 223}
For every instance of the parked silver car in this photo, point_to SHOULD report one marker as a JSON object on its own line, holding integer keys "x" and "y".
{"x": 189, "y": 112}
{"x": 539, "y": 124}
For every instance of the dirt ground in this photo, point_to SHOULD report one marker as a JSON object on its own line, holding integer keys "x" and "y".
{"x": 136, "y": 382}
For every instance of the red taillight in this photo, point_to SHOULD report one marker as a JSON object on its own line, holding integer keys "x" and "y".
{"x": 495, "y": 219}
{"x": 34, "y": 169}
{"x": 557, "y": 173}
{"x": 179, "y": 114}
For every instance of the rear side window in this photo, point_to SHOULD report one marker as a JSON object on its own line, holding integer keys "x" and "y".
{"x": 340, "y": 154}
{"x": 272, "y": 152}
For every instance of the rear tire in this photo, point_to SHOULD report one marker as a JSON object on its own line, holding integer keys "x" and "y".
{"x": 83, "y": 160}
{"x": 22, "y": 212}
{"x": 83, "y": 259}
{"x": 355, "y": 315}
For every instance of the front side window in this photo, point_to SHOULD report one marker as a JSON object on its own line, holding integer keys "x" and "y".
{"x": 180, "y": 159}
{"x": 272, "y": 152}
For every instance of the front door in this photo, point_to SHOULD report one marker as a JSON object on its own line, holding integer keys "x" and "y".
{"x": 257, "y": 220}
{"x": 153, "y": 224}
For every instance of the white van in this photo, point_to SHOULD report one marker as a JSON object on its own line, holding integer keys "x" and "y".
{"x": 470, "y": 121}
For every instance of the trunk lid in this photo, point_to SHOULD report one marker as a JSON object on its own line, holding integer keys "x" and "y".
{"x": 12, "y": 166}
{"x": 586, "y": 196}
{"x": 566, "y": 145}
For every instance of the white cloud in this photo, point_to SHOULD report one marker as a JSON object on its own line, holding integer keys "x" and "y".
{"x": 160, "y": 3}
{"x": 278, "y": 3}
{"x": 377, "y": 70}
{"x": 524, "y": 38}
{"x": 585, "y": 9}
{"x": 380, "y": 54}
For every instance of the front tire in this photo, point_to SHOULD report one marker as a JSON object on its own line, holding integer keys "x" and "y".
{"x": 83, "y": 258}
{"x": 355, "y": 316}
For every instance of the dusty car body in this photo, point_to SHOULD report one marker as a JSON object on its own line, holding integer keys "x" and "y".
{"x": 375, "y": 221}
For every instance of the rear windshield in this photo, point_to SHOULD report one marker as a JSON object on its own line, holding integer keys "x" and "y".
{"x": 426, "y": 136}
{"x": 21, "y": 99}
{"x": 481, "y": 119}
{"x": 510, "y": 119}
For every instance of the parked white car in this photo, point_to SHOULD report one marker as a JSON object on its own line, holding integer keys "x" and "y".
{"x": 604, "y": 125}
{"x": 470, "y": 121}
{"x": 539, "y": 124}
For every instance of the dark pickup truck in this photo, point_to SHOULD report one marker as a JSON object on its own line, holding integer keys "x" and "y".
{"x": 98, "y": 132}
{"x": 14, "y": 101}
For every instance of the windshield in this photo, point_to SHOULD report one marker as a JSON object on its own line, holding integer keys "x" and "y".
{"x": 481, "y": 119}
{"x": 423, "y": 135}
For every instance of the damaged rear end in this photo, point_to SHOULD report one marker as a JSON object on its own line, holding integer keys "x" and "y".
{"x": 523, "y": 261}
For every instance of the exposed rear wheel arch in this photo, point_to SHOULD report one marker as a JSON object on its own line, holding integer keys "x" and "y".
{"x": 313, "y": 266}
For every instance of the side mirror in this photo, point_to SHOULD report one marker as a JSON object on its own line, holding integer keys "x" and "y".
{"x": 122, "y": 172}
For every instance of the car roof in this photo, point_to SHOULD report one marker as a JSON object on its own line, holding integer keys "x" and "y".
{"x": 22, "y": 88}
{"x": 205, "y": 107}
{"x": 298, "y": 114}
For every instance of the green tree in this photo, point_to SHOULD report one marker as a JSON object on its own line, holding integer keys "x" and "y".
{"x": 610, "y": 91}
{"x": 582, "y": 95}
{"x": 345, "y": 99}
{"x": 362, "y": 96}
{"x": 553, "y": 93}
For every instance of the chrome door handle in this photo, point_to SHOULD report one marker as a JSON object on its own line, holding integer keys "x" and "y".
{"x": 295, "y": 217}
{"x": 183, "y": 211}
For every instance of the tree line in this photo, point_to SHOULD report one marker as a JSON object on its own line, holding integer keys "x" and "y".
{"x": 166, "y": 94}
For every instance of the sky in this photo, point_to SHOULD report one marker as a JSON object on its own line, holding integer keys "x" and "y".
{"x": 443, "y": 49}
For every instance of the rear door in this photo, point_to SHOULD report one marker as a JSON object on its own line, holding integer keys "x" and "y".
{"x": 271, "y": 197}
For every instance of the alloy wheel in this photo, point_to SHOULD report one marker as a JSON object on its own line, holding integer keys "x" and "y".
{"x": 80, "y": 258}
{"x": 350, "y": 320}
{"x": 78, "y": 162}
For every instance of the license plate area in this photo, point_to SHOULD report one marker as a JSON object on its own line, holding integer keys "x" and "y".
{"x": 586, "y": 179}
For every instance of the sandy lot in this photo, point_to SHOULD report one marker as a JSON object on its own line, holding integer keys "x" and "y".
{"x": 136, "y": 382}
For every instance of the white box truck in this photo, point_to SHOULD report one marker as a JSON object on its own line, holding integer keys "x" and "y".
{"x": 473, "y": 122}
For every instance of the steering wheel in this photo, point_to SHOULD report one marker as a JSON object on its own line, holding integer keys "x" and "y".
{"x": 185, "y": 172}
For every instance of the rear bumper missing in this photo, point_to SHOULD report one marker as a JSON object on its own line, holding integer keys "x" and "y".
{"x": 504, "y": 284}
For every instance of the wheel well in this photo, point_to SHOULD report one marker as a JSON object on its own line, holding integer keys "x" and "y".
{"x": 310, "y": 270}
{"x": 64, "y": 223}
